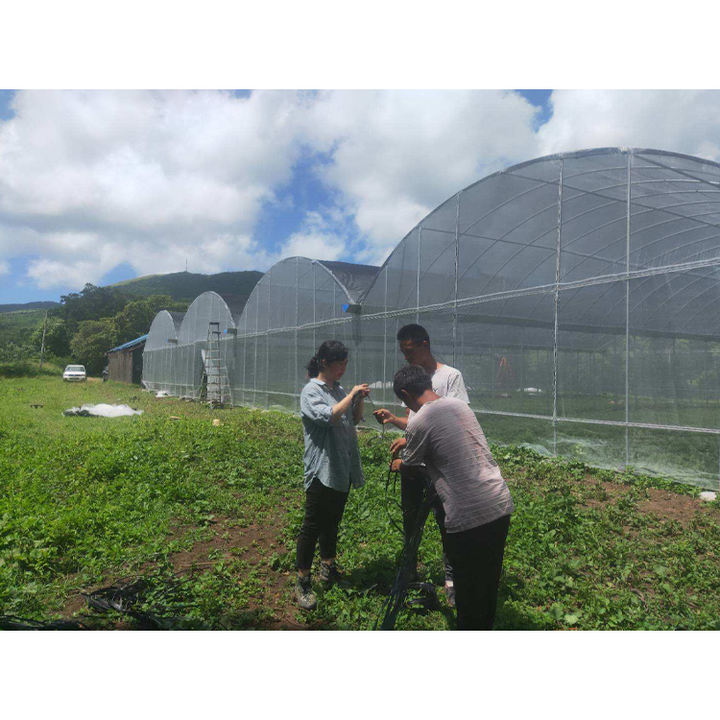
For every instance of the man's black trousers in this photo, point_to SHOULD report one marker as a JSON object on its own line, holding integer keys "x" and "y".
{"x": 477, "y": 556}
{"x": 413, "y": 481}
{"x": 324, "y": 509}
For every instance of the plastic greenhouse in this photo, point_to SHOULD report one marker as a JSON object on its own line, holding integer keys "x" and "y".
{"x": 578, "y": 294}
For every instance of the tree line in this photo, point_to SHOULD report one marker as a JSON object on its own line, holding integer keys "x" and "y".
{"x": 87, "y": 324}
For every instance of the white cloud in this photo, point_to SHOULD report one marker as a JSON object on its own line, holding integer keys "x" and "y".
{"x": 94, "y": 179}
{"x": 686, "y": 121}
{"x": 396, "y": 155}
{"x": 315, "y": 240}
{"x": 4, "y": 268}
{"x": 90, "y": 180}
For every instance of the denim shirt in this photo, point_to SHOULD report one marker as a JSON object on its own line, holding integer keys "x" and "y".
{"x": 331, "y": 448}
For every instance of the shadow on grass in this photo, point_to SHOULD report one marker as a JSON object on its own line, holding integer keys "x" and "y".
{"x": 377, "y": 579}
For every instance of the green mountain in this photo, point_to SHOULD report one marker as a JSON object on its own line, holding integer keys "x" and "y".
{"x": 40, "y": 305}
{"x": 181, "y": 286}
{"x": 18, "y": 321}
{"x": 16, "y": 326}
{"x": 185, "y": 286}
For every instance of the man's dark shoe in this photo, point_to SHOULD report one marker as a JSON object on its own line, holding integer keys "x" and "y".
{"x": 304, "y": 596}
{"x": 329, "y": 575}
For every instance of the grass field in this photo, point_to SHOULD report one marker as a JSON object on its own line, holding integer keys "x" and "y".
{"x": 206, "y": 516}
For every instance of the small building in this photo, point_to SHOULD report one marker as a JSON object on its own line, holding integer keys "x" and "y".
{"x": 125, "y": 361}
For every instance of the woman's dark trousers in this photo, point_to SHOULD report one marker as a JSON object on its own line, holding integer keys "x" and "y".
{"x": 476, "y": 556}
{"x": 324, "y": 509}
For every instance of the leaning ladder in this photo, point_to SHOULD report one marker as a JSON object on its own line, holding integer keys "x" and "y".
{"x": 218, "y": 381}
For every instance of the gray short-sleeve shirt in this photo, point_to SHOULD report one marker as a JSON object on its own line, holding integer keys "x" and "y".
{"x": 446, "y": 436}
{"x": 447, "y": 381}
{"x": 331, "y": 448}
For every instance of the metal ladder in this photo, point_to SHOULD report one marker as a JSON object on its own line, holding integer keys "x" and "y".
{"x": 219, "y": 391}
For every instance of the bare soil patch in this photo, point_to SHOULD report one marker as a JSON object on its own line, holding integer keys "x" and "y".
{"x": 664, "y": 504}
{"x": 668, "y": 505}
{"x": 255, "y": 545}
{"x": 607, "y": 492}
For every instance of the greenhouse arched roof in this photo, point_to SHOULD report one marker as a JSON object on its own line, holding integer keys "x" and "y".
{"x": 163, "y": 330}
{"x": 299, "y": 291}
{"x": 564, "y": 222}
{"x": 205, "y": 308}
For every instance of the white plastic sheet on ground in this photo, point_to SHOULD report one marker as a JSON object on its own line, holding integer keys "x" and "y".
{"x": 102, "y": 410}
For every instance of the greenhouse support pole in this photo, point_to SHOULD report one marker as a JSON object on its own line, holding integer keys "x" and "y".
{"x": 314, "y": 271}
{"x": 267, "y": 367}
{"x": 255, "y": 344}
{"x": 457, "y": 270}
{"x": 244, "y": 359}
{"x": 556, "y": 303}
{"x": 296, "y": 368}
{"x": 417, "y": 277}
{"x": 384, "y": 372}
{"x": 42, "y": 344}
{"x": 627, "y": 310}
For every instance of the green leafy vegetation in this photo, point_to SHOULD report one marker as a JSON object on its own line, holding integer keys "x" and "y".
{"x": 206, "y": 516}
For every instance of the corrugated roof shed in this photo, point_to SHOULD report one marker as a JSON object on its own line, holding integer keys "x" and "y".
{"x": 129, "y": 344}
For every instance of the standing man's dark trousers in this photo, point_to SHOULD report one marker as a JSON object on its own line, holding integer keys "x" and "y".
{"x": 476, "y": 556}
{"x": 413, "y": 481}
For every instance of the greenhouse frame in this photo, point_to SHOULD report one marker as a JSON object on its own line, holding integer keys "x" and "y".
{"x": 575, "y": 292}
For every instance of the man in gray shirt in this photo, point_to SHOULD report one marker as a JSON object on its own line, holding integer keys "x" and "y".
{"x": 414, "y": 343}
{"x": 445, "y": 436}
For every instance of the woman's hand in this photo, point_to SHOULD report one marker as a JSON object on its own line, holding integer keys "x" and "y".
{"x": 360, "y": 391}
{"x": 395, "y": 465}
{"x": 363, "y": 390}
{"x": 397, "y": 446}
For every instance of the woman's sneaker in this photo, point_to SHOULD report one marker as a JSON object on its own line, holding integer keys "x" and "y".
{"x": 329, "y": 574}
{"x": 304, "y": 596}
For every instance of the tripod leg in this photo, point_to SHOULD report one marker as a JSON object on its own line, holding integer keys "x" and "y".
{"x": 399, "y": 589}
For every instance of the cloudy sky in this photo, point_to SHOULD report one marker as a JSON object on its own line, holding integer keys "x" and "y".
{"x": 103, "y": 186}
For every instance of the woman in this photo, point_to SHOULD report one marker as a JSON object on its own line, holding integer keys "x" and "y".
{"x": 332, "y": 463}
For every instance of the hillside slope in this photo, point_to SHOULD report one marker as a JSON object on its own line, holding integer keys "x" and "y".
{"x": 184, "y": 286}
{"x": 17, "y": 326}
{"x": 40, "y": 305}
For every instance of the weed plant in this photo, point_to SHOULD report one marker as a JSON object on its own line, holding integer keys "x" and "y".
{"x": 90, "y": 502}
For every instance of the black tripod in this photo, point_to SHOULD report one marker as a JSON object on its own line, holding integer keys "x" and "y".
{"x": 404, "y": 579}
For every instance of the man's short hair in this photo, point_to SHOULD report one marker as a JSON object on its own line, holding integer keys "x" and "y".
{"x": 416, "y": 333}
{"x": 413, "y": 379}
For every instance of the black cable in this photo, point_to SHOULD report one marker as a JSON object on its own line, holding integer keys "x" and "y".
{"x": 387, "y": 500}
{"x": 13, "y": 622}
